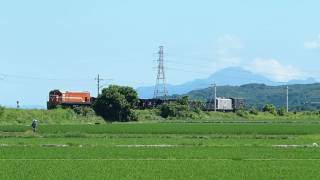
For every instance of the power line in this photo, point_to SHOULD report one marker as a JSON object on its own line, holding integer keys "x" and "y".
{"x": 15, "y": 76}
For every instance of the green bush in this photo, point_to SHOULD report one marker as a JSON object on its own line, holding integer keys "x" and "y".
{"x": 180, "y": 108}
{"x": 270, "y": 108}
{"x": 167, "y": 110}
{"x": 254, "y": 111}
{"x": 174, "y": 110}
{"x": 282, "y": 111}
{"x": 148, "y": 115}
{"x": 242, "y": 113}
{"x": 84, "y": 111}
{"x": 197, "y": 107}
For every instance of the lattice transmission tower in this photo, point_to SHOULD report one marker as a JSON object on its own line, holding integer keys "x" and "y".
{"x": 160, "y": 90}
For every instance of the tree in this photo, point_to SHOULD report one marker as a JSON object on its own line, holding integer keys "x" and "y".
{"x": 270, "y": 108}
{"x": 168, "y": 110}
{"x": 183, "y": 101}
{"x": 116, "y": 103}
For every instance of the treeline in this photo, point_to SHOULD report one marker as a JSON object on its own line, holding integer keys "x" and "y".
{"x": 301, "y": 97}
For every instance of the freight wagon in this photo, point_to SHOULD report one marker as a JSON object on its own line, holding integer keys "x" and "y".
{"x": 226, "y": 104}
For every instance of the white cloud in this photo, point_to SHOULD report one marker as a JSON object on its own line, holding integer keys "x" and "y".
{"x": 313, "y": 44}
{"x": 228, "y": 45}
{"x": 227, "y": 51}
{"x": 274, "y": 70}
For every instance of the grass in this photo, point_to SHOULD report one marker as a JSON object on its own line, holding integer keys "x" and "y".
{"x": 174, "y": 149}
{"x": 57, "y": 116}
{"x": 67, "y": 116}
{"x": 176, "y": 128}
{"x": 159, "y": 153}
{"x": 149, "y": 169}
{"x": 153, "y": 116}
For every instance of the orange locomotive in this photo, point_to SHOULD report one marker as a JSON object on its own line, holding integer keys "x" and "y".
{"x": 68, "y": 99}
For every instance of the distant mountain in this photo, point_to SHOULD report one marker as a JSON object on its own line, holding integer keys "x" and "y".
{"x": 307, "y": 81}
{"x": 301, "y": 96}
{"x": 234, "y": 76}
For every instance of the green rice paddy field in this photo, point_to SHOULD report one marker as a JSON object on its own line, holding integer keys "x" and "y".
{"x": 246, "y": 150}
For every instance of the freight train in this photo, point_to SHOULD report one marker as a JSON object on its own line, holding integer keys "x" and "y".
{"x": 222, "y": 104}
{"x": 76, "y": 99}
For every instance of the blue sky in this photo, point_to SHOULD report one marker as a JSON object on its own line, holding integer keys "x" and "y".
{"x": 59, "y": 44}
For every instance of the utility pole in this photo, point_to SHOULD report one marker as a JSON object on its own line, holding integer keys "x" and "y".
{"x": 287, "y": 99}
{"x": 160, "y": 90}
{"x": 214, "y": 95}
{"x": 99, "y": 86}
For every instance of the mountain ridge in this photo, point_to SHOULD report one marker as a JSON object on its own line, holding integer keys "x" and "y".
{"x": 233, "y": 76}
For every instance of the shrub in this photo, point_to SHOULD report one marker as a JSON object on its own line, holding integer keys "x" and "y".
{"x": 197, "y": 107}
{"x": 270, "y": 108}
{"x": 167, "y": 110}
{"x": 174, "y": 110}
{"x": 242, "y": 113}
{"x": 180, "y": 108}
{"x": 282, "y": 111}
{"x": 84, "y": 111}
{"x": 254, "y": 111}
